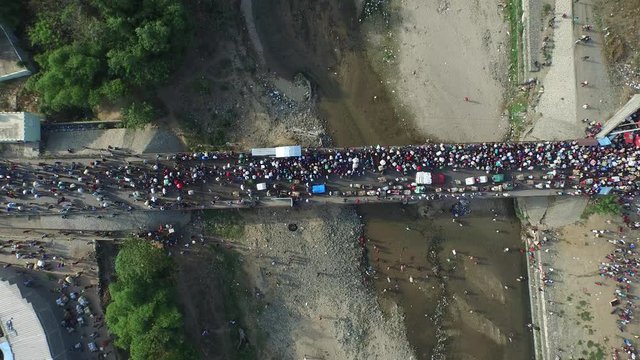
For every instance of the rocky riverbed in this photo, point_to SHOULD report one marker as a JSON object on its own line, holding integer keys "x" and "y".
{"x": 314, "y": 301}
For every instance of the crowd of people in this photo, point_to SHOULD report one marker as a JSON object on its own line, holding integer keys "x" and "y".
{"x": 199, "y": 179}
{"x": 622, "y": 267}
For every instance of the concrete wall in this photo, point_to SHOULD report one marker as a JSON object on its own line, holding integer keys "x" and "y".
{"x": 15, "y": 75}
{"x": 31, "y": 127}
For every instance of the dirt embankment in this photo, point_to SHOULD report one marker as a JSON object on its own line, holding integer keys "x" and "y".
{"x": 620, "y": 20}
{"x": 579, "y": 318}
{"x": 222, "y": 95}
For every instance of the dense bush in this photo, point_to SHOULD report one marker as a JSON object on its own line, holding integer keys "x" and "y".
{"x": 138, "y": 114}
{"x": 608, "y": 204}
{"x": 143, "y": 314}
{"x": 97, "y": 51}
{"x": 605, "y": 205}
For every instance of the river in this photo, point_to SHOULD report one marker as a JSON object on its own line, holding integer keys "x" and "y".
{"x": 458, "y": 298}
{"x": 463, "y": 306}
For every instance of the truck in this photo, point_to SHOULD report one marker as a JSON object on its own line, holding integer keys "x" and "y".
{"x": 428, "y": 178}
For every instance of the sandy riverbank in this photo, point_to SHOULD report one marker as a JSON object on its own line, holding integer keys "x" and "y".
{"x": 575, "y": 317}
{"x": 448, "y": 50}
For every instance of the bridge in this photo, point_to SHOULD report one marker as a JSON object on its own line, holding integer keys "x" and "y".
{"x": 119, "y": 181}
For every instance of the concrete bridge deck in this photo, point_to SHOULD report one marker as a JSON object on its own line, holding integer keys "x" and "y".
{"x": 120, "y": 182}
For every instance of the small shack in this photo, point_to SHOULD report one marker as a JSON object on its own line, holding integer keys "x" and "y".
{"x": 20, "y": 134}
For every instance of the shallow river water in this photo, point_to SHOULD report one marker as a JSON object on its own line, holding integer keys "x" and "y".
{"x": 472, "y": 300}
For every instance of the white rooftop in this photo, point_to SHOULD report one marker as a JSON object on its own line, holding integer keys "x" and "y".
{"x": 27, "y": 340}
{"x": 279, "y": 152}
{"x": 19, "y": 127}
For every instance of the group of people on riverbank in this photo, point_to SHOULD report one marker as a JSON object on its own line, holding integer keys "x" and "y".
{"x": 199, "y": 179}
{"x": 622, "y": 266}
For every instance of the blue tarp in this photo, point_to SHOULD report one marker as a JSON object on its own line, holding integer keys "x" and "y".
{"x": 605, "y": 141}
{"x": 318, "y": 189}
{"x": 605, "y": 190}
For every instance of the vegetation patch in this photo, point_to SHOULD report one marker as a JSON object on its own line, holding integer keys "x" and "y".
{"x": 518, "y": 114}
{"x": 138, "y": 114}
{"x": 214, "y": 135}
{"x": 92, "y": 52}
{"x": 228, "y": 264}
{"x": 586, "y": 316}
{"x": 143, "y": 313}
{"x": 513, "y": 13}
{"x": 594, "y": 352}
{"x": 521, "y": 214}
{"x": 224, "y": 223}
{"x": 373, "y": 8}
{"x": 518, "y": 102}
{"x": 605, "y": 205}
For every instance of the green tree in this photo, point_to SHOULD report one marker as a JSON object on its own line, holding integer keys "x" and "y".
{"x": 68, "y": 79}
{"x": 101, "y": 50}
{"x": 130, "y": 63}
{"x": 153, "y": 37}
{"x": 113, "y": 90}
{"x": 143, "y": 313}
{"x": 140, "y": 261}
{"x": 44, "y": 35}
{"x": 138, "y": 114}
